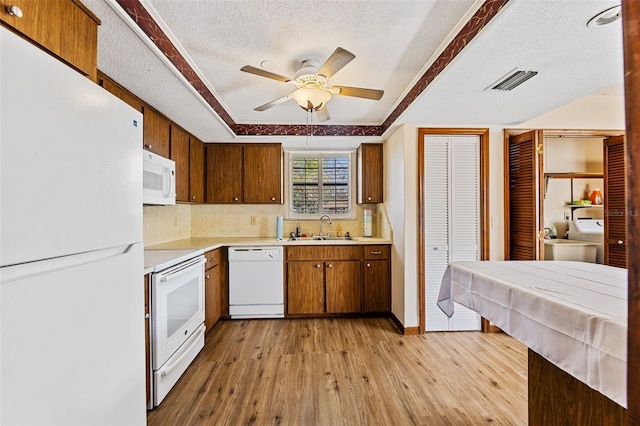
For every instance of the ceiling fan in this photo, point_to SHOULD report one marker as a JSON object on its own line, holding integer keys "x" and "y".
{"x": 312, "y": 81}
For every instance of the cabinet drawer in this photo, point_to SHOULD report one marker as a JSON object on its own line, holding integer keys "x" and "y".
{"x": 324, "y": 253}
{"x": 213, "y": 258}
{"x": 377, "y": 252}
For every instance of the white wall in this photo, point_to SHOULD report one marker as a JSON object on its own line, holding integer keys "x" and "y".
{"x": 401, "y": 196}
{"x": 400, "y": 189}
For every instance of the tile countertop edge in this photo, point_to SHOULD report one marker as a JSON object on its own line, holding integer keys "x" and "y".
{"x": 206, "y": 244}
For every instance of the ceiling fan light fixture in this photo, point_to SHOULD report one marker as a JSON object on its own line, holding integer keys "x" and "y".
{"x": 606, "y": 17}
{"x": 310, "y": 98}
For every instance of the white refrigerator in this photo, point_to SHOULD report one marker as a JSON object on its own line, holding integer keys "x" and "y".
{"x": 71, "y": 259}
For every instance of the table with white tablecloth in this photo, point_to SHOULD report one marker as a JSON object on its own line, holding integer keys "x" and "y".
{"x": 574, "y": 314}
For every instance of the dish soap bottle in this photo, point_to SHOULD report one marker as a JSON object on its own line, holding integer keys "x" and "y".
{"x": 339, "y": 230}
{"x": 596, "y": 197}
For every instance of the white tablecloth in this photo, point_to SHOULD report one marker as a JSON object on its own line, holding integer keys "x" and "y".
{"x": 574, "y": 314}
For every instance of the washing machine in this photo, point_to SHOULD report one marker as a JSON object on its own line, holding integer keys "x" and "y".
{"x": 589, "y": 230}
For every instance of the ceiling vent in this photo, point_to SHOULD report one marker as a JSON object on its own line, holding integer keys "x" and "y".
{"x": 512, "y": 80}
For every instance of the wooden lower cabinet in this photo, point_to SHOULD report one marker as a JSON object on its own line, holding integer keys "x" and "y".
{"x": 377, "y": 278}
{"x": 214, "y": 287}
{"x": 324, "y": 280}
{"x": 377, "y": 286}
{"x": 305, "y": 293}
{"x": 343, "y": 286}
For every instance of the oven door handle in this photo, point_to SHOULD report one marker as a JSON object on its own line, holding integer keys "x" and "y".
{"x": 186, "y": 352}
{"x": 175, "y": 273}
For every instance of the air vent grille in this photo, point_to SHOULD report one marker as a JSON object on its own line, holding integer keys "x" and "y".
{"x": 512, "y": 80}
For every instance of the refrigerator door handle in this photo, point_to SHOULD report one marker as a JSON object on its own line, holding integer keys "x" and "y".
{"x": 25, "y": 270}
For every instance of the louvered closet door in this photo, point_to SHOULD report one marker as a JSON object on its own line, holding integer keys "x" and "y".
{"x": 522, "y": 197}
{"x": 452, "y": 220}
{"x": 615, "y": 202}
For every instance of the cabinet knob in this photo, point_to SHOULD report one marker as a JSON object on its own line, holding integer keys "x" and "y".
{"x": 376, "y": 252}
{"x": 193, "y": 197}
{"x": 368, "y": 198}
{"x": 620, "y": 242}
{"x": 330, "y": 266}
{"x": 368, "y": 265}
{"x": 207, "y": 277}
{"x": 14, "y": 10}
{"x": 273, "y": 198}
{"x": 148, "y": 146}
{"x": 213, "y": 259}
{"x": 146, "y": 316}
{"x": 235, "y": 198}
{"x": 318, "y": 266}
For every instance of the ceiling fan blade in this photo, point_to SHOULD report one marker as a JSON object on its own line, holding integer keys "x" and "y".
{"x": 272, "y": 103}
{"x": 264, "y": 73}
{"x": 338, "y": 59}
{"x": 323, "y": 114}
{"x": 358, "y": 92}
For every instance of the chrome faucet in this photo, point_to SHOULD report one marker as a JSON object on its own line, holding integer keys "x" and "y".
{"x": 324, "y": 216}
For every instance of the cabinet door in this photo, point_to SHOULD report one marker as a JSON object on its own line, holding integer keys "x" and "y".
{"x": 180, "y": 154}
{"x": 224, "y": 173}
{"x": 212, "y": 296}
{"x": 196, "y": 170}
{"x": 370, "y": 169}
{"x": 344, "y": 286}
{"x": 263, "y": 174}
{"x": 377, "y": 286}
{"x": 615, "y": 202}
{"x": 79, "y": 41}
{"x": 62, "y": 27}
{"x": 156, "y": 132}
{"x": 305, "y": 287}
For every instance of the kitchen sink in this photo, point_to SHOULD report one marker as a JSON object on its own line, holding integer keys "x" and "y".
{"x": 323, "y": 239}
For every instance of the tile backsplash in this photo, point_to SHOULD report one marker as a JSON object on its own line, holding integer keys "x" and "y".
{"x": 167, "y": 223}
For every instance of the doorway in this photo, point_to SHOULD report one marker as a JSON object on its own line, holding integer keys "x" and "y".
{"x": 454, "y": 213}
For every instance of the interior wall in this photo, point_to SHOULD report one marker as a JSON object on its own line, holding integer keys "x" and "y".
{"x": 162, "y": 224}
{"x": 400, "y": 189}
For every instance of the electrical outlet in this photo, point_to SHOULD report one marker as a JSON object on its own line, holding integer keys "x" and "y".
{"x": 253, "y": 220}
{"x": 567, "y": 215}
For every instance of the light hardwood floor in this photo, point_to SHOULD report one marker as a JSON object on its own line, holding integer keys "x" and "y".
{"x": 348, "y": 372}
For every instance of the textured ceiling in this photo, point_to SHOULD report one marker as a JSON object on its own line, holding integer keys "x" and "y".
{"x": 395, "y": 43}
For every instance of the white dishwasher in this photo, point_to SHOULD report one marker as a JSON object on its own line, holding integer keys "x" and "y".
{"x": 256, "y": 287}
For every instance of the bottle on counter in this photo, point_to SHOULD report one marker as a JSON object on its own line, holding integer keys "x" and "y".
{"x": 339, "y": 230}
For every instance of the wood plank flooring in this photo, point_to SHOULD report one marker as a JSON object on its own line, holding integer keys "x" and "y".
{"x": 348, "y": 372}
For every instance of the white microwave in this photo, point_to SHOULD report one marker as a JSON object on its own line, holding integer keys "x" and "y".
{"x": 158, "y": 179}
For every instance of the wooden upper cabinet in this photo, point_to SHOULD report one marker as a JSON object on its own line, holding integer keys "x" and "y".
{"x": 224, "y": 173}
{"x": 65, "y": 28}
{"x": 263, "y": 174}
{"x": 196, "y": 170}
{"x": 522, "y": 205}
{"x": 244, "y": 173}
{"x": 615, "y": 202}
{"x": 156, "y": 133}
{"x": 115, "y": 89}
{"x": 180, "y": 154}
{"x": 370, "y": 173}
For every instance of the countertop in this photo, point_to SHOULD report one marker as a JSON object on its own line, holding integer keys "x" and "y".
{"x": 163, "y": 253}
